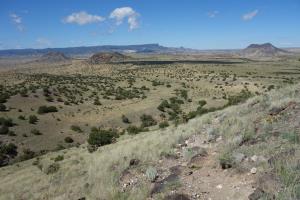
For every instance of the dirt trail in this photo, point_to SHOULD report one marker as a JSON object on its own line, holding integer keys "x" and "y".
{"x": 203, "y": 177}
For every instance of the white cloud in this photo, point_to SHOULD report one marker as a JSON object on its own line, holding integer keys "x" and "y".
{"x": 17, "y": 20}
{"x": 250, "y": 15}
{"x": 119, "y": 14}
{"x": 43, "y": 42}
{"x": 212, "y": 14}
{"x": 83, "y": 18}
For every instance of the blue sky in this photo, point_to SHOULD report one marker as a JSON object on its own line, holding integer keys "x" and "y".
{"x": 201, "y": 24}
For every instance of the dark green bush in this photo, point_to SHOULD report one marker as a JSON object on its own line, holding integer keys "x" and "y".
{"x": 163, "y": 124}
{"x": 125, "y": 119}
{"x": 46, "y": 109}
{"x": 52, "y": 168}
{"x": 239, "y": 98}
{"x": 2, "y": 107}
{"x": 21, "y": 117}
{"x": 8, "y": 149}
{"x": 69, "y": 140}
{"x": 6, "y": 122}
{"x": 76, "y": 129}
{"x": 133, "y": 130}
{"x": 58, "y": 158}
{"x": 32, "y": 119}
{"x": 163, "y": 105}
{"x": 4, "y": 130}
{"x": 202, "y": 103}
{"x": 36, "y": 132}
{"x": 27, "y": 154}
{"x": 100, "y": 137}
{"x": 147, "y": 120}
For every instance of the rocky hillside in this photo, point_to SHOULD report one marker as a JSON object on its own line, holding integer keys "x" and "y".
{"x": 263, "y": 51}
{"x": 107, "y": 57}
{"x": 249, "y": 151}
{"x": 53, "y": 57}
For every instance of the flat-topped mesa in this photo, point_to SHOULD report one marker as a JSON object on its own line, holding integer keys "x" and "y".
{"x": 107, "y": 57}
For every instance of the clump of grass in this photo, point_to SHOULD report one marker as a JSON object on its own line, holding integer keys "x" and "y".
{"x": 292, "y": 137}
{"x": 59, "y": 158}
{"x": 76, "y": 128}
{"x": 151, "y": 173}
{"x": 163, "y": 124}
{"x": 52, "y": 168}
{"x": 36, "y": 132}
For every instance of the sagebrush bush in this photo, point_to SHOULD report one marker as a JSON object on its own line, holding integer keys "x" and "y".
{"x": 32, "y": 119}
{"x": 147, "y": 120}
{"x": 100, "y": 137}
{"x": 69, "y": 140}
{"x": 47, "y": 109}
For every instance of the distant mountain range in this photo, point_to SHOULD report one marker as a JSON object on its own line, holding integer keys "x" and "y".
{"x": 76, "y": 51}
{"x": 252, "y": 51}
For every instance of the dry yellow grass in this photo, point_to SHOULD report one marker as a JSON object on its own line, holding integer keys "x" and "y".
{"x": 95, "y": 175}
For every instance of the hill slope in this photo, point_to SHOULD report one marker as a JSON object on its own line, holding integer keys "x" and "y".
{"x": 263, "y": 51}
{"x": 106, "y": 57}
{"x": 245, "y": 151}
{"x": 53, "y": 57}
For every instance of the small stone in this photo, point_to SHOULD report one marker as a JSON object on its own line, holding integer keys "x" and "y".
{"x": 219, "y": 139}
{"x": 253, "y": 170}
{"x": 254, "y": 158}
{"x": 219, "y": 186}
{"x": 184, "y": 164}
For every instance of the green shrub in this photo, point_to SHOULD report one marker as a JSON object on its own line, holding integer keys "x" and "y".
{"x": 133, "y": 130}
{"x": 202, "y": 103}
{"x": 32, "y": 119}
{"x": 46, "y": 109}
{"x": 191, "y": 115}
{"x": 292, "y": 137}
{"x": 147, "y": 120}
{"x": 8, "y": 149}
{"x": 97, "y": 102}
{"x": 226, "y": 160}
{"x": 51, "y": 169}
{"x": 6, "y": 122}
{"x": 58, "y": 158}
{"x": 4, "y": 130}
{"x": 76, "y": 129}
{"x": 27, "y": 154}
{"x": 69, "y": 140}
{"x": 36, "y": 132}
{"x": 99, "y": 137}
{"x": 21, "y": 117}
{"x": 125, "y": 120}
{"x": 2, "y": 107}
{"x": 151, "y": 173}
{"x": 163, "y": 105}
{"x": 239, "y": 98}
{"x": 163, "y": 124}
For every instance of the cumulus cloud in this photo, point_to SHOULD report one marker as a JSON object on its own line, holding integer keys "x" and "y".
{"x": 43, "y": 42}
{"x": 212, "y": 14}
{"x": 82, "y": 18}
{"x": 250, "y": 15}
{"x": 17, "y": 20}
{"x": 120, "y": 14}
